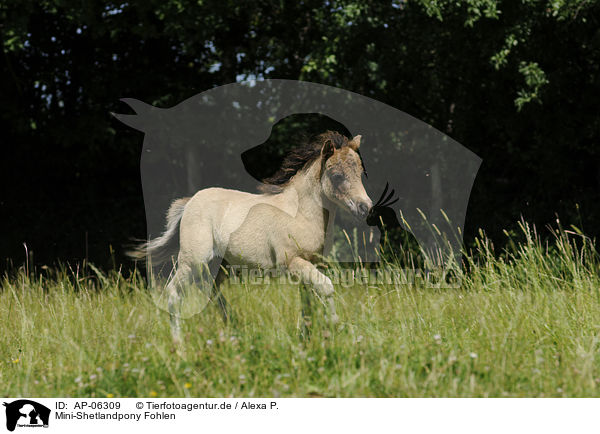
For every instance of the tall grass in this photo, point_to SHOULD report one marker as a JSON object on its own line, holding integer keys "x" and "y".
{"x": 523, "y": 322}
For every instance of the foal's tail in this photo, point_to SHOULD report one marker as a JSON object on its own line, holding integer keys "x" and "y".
{"x": 163, "y": 248}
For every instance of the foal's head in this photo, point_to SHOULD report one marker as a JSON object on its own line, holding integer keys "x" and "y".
{"x": 341, "y": 174}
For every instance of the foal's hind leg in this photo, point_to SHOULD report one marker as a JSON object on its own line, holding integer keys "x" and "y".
{"x": 218, "y": 296}
{"x": 174, "y": 292}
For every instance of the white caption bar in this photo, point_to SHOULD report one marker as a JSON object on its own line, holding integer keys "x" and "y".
{"x": 155, "y": 415}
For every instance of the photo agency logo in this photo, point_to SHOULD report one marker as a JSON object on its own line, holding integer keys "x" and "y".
{"x": 25, "y": 413}
{"x": 380, "y": 190}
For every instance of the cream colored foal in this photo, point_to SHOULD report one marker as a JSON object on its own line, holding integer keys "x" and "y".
{"x": 285, "y": 227}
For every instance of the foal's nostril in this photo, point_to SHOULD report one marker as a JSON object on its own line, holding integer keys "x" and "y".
{"x": 363, "y": 208}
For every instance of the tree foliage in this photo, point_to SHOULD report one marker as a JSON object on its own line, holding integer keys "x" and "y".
{"x": 515, "y": 82}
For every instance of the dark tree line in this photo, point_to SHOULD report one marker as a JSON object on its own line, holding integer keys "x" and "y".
{"x": 518, "y": 83}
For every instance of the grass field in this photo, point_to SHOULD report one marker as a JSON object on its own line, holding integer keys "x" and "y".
{"x": 522, "y": 323}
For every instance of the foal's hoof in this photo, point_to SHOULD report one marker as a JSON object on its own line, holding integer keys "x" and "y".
{"x": 176, "y": 339}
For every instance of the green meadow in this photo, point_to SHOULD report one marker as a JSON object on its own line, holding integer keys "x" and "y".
{"x": 522, "y": 322}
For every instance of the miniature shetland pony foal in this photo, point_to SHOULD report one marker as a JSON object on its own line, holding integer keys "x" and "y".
{"x": 285, "y": 227}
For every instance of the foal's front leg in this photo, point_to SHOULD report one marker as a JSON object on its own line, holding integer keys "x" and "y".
{"x": 311, "y": 275}
{"x": 305, "y": 296}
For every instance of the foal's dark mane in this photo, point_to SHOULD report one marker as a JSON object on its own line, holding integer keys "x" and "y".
{"x": 298, "y": 158}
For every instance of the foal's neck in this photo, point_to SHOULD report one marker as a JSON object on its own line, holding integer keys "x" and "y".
{"x": 312, "y": 204}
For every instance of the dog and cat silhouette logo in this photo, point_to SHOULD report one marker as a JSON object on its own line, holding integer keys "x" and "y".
{"x": 26, "y": 413}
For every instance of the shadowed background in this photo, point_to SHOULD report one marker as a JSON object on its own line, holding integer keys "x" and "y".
{"x": 516, "y": 83}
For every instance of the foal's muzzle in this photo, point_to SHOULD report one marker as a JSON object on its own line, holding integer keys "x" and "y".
{"x": 363, "y": 209}
{"x": 359, "y": 208}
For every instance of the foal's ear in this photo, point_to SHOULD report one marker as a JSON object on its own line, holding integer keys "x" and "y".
{"x": 355, "y": 143}
{"x": 327, "y": 150}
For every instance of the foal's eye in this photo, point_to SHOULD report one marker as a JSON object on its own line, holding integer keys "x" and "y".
{"x": 337, "y": 178}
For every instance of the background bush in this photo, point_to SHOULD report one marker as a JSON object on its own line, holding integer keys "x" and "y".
{"x": 515, "y": 82}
